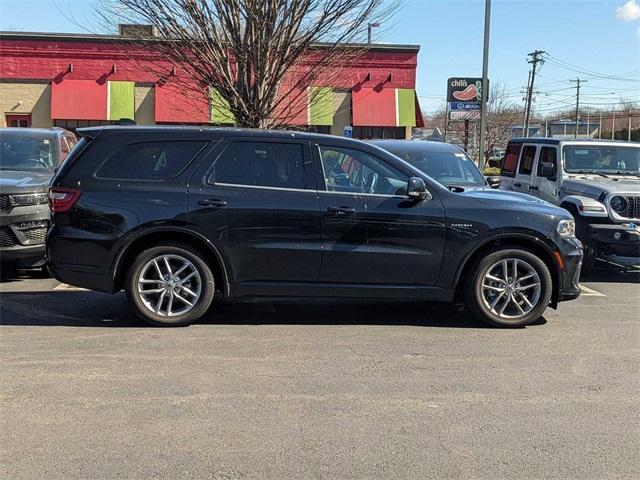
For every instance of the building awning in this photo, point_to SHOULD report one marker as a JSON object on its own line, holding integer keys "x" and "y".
{"x": 90, "y": 100}
{"x": 180, "y": 103}
{"x": 79, "y": 100}
{"x": 122, "y": 100}
{"x": 383, "y": 107}
{"x": 307, "y": 106}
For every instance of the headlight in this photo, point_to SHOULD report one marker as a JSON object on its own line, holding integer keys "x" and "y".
{"x": 27, "y": 199}
{"x": 619, "y": 204}
{"x": 566, "y": 228}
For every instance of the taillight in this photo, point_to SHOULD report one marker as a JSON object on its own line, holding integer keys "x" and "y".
{"x": 62, "y": 199}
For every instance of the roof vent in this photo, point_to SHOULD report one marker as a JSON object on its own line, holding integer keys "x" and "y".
{"x": 136, "y": 30}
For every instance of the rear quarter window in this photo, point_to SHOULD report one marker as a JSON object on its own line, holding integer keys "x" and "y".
{"x": 510, "y": 161}
{"x": 150, "y": 160}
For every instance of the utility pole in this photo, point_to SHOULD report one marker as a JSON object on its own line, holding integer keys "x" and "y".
{"x": 526, "y": 99}
{"x": 577, "y": 81}
{"x": 536, "y": 57}
{"x": 485, "y": 82}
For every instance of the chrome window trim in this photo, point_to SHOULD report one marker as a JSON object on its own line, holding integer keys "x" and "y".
{"x": 262, "y": 187}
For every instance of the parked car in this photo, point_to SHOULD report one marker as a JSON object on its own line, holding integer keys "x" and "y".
{"x": 174, "y": 214}
{"x": 28, "y": 158}
{"x": 598, "y": 182}
{"x": 446, "y": 163}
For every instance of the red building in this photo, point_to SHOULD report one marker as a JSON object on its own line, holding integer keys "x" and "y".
{"x": 74, "y": 80}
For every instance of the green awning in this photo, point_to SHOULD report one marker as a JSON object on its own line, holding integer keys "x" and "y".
{"x": 122, "y": 100}
{"x": 320, "y": 106}
{"x": 220, "y": 112}
{"x": 406, "y": 107}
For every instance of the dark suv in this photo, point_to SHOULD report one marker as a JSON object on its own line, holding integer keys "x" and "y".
{"x": 175, "y": 214}
{"x": 28, "y": 158}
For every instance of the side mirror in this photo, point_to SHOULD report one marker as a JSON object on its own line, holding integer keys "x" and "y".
{"x": 493, "y": 181}
{"x": 417, "y": 190}
{"x": 548, "y": 170}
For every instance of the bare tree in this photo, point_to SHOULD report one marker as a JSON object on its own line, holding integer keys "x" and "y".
{"x": 256, "y": 58}
{"x": 502, "y": 114}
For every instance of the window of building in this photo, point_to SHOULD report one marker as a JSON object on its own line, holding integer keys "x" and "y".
{"x": 377, "y": 133}
{"x": 262, "y": 164}
{"x": 510, "y": 160}
{"x": 73, "y": 125}
{"x": 349, "y": 170}
{"x": 526, "y": 162}
{"x": 22, "y": 121}
{"x": 150, "y": 160}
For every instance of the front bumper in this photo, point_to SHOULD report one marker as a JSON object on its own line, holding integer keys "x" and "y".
{"x": 619, "y": 240}
{"x": 569, "y": 273}
{"x": 23, "y": 234}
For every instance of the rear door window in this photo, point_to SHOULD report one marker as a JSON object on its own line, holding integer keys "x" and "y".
{"x": 150, "y": 160}
{"x": 547, "y": 155}
{"x": 261, "y": 164}
{"x": 510, "y": 160}
{"x": 527, "y": 160}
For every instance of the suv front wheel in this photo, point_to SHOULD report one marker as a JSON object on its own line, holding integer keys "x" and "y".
{"x": 508, "y": 288}
{"x": 170, "y": 285}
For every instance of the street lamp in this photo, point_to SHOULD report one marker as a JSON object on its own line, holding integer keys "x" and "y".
{"x": 369, "y": 28}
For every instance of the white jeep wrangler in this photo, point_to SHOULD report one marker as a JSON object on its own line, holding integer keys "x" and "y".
{"x": 598, "y": 181}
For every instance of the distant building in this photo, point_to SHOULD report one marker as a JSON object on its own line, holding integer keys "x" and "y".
{"x": 77, "y": 80}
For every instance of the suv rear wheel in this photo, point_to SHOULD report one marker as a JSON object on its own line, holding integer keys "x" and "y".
{"x": 508, "y": 288}
{"x": 170, "y": 285}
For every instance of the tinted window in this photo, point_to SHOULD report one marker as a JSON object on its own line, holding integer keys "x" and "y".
{"x": 510, "y": 160}
{"x": 547, "y": 155}
{"x": 348, "y": 170}
{"x": 150, "y": 160}
{"x": 261, "y": 164}
{"x": 448, "y": 168}
{"x": 526, "y": 162}
{"x": 27, "y": 153}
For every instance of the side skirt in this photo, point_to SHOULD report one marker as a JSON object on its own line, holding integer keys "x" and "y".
{"x": 285, "y": 289}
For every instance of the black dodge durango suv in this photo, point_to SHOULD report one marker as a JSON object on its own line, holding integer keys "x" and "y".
{"x": 174, "y": 215}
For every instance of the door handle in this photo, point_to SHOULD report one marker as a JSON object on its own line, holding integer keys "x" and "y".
{"x": 212, "y": 202}
{"x": 517, "y": 184}
{"x": 531, "y": 187}
{"x": 342, "y": 211}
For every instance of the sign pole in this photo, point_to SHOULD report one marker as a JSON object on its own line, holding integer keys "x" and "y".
{"x": 485, "y": 82}
{"x": 446, "y": 122}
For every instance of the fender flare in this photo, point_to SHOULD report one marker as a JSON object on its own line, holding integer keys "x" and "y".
{"x": 585, "y": 206}
{"x": 117, "y": 270}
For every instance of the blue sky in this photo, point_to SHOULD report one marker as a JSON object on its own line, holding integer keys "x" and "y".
{"x": 598, "y": 38}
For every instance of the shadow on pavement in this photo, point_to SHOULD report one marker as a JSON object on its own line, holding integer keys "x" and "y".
{"x": 90, "y": 309}
{"x": 610, "y": 275}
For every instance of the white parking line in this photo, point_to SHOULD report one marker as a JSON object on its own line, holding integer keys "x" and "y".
{"x": 64, "y": 286}
{"x": 588, "y": 292}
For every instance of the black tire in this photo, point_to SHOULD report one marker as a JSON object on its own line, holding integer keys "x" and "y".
{"x": 201, "y": 305}
{"x": 473, "y": 292}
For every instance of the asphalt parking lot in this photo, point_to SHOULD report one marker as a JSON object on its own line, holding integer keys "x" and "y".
{"x": 324, "y": 389}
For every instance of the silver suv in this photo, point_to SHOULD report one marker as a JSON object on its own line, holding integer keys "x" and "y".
{"x": 597, "y": 181}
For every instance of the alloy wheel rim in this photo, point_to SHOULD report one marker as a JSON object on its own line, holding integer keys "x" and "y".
{"x": 511, "y": 288}
{"x": 169, "y": 285}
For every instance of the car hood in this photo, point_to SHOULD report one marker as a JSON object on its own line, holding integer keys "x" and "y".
{"x": 14, "y": 181}
{"x": 504, "y": 200}
{"x": 595, "y": 185}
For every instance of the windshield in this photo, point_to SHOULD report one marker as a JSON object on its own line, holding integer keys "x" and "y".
{"x": 448, "y": 168}
{"x": 27, "y": 154}
{"x": 613, "y": 159}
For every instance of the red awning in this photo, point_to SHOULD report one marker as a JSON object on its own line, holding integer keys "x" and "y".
{"x": 181, "y": 104}
{"x": 374, "y": 107}
{"x": 79, "y": 100}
